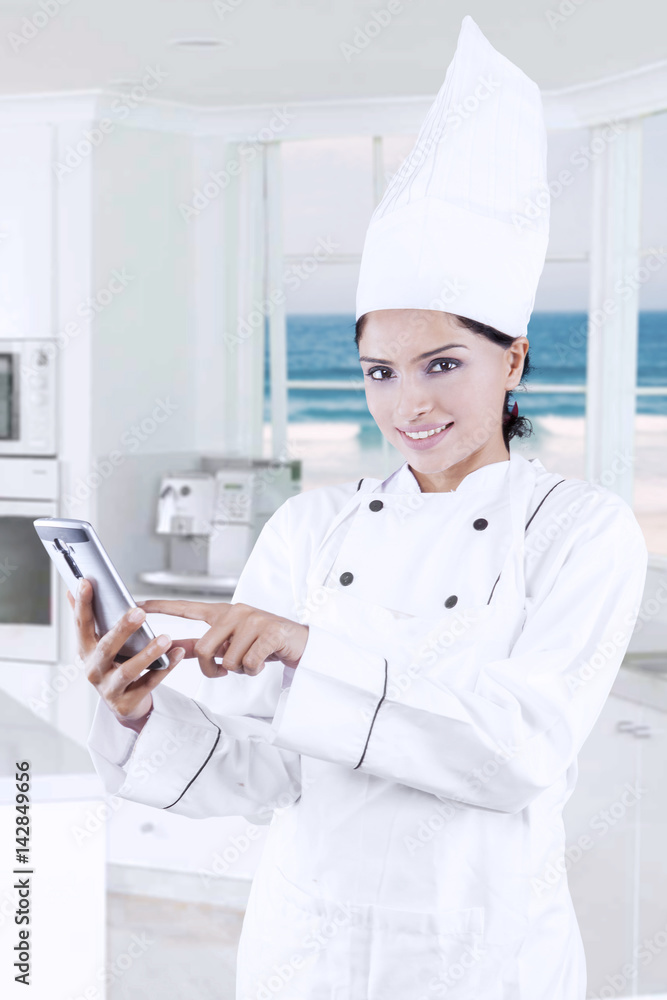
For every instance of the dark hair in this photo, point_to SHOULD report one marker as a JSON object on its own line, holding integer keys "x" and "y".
{"x": 513, "y": 426}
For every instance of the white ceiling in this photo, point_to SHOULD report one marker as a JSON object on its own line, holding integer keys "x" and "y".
{"x": 290, "y": 50}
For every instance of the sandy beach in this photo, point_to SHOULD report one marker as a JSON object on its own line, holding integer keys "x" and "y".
{"x": 338, "y": 452}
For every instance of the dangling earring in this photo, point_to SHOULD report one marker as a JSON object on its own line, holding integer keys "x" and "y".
{"x": 513, "y": 413}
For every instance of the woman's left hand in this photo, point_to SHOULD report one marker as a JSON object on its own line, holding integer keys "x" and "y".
{"x": 243, "y": 636}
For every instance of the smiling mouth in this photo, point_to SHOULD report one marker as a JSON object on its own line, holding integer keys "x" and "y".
{"x": 420, "y": 435}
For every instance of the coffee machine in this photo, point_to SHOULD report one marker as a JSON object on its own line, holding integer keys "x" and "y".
{"x": 211, "y": 517}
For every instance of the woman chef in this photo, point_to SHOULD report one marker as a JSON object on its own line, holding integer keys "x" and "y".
{"x": 424, "y": 656}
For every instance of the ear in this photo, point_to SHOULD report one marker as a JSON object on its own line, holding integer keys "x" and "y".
{"x": 517, "y": 352}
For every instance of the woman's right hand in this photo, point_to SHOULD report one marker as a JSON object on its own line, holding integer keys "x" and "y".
{"x": 126, "y": 693}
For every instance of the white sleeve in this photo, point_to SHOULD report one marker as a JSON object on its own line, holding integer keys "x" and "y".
{"x": 212, "y": 755}
{"x": 516, "y": 727}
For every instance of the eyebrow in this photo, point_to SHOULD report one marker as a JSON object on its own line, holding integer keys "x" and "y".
{"x": 427, "y": 354}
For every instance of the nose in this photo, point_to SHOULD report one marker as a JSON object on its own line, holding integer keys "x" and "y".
{"x": 414, "y": 399}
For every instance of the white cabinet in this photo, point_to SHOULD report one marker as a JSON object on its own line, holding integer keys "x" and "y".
{"x": 65, "y": 871}
{"x": 26, "y": 231}
{"x": 616, "y": 823}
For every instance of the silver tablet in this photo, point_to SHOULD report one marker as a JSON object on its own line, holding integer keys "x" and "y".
{"x": 76, "y": 550}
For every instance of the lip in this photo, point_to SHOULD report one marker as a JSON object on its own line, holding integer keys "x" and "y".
{"x": 420, "y": 444}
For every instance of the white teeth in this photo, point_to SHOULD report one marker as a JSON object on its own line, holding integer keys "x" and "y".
{"x": 423, "y": 434}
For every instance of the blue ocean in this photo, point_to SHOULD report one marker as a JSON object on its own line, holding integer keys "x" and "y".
{"x": 322, "y": 347}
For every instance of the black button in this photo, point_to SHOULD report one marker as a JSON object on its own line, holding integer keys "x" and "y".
{"x": 480, "y": 524}
{"x": 375, "y": 505}
{"x": 451, "y": 601}
{"x": 346, "y": 578}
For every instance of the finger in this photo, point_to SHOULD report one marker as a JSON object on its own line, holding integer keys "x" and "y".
{"x": 235, "y": 658}
{"x": 209, "y": 667}
{"x": 189, "y": 647}
{"x": 213, "y": 643}
{"x": 187, "y": 644}
{"x": 152, "y": 678}
{"x": 212, "y": 665}
{"x": 201, "y": 610}
{"x": 111, "y": 643}
{"x": 206, "y": 649}
{"x": 70, "y": 599}
{"x": 84, "y": 618}
{"x": 120, "y": 675}
{"x": 253, "y": 658}
{"x": 127, "y": 697}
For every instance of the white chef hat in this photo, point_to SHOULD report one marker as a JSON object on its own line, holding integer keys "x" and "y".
{"x": 464, "y": 224}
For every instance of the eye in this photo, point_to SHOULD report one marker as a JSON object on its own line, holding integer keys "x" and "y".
{"x": 438, "y": 361}
{"x": 446, "y": 361}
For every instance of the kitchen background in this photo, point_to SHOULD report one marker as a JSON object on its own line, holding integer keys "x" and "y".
{"x": 184, "y": 192}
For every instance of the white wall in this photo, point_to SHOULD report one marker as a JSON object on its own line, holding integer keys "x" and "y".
{"x": 144, "y": 340}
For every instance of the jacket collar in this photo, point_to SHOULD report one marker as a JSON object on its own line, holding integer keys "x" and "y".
{"x": 403, "y": 480}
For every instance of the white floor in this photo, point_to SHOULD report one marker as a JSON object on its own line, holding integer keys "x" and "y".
{"x": 169, "y": 949}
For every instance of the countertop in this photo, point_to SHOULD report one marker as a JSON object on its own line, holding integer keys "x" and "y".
{"x": 60, "y": 769}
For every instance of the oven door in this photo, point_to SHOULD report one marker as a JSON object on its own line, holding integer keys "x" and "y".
{"x": 9, "y": 395}
{"x": 28, "y": 582}
{"x": 27, "y": 397}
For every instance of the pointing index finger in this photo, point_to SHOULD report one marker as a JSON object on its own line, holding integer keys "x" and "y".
{"x": 199, "y": 610}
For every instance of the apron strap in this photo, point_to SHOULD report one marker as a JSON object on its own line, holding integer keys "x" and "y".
{"x": 526, "y": 528}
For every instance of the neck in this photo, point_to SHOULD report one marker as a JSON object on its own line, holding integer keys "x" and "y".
{"x": 446, "y": 480}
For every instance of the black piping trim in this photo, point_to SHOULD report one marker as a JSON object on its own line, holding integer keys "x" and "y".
{"x": 374, "y": 718}
{"x": 542, "y": 501}
{"x": 492, "y": 589}
{"x": 526, "y": 528}
{"x": 205, "y": 762}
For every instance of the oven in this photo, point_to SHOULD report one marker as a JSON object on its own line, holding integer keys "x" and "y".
{"x": 27, "y": 397}
{"x": 28, "y": 578}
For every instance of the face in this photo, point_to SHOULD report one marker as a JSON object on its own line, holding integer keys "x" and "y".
{"x": 422, "y": 370}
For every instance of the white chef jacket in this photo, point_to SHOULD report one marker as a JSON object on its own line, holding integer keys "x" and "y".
{"x": 413, "y": 777}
